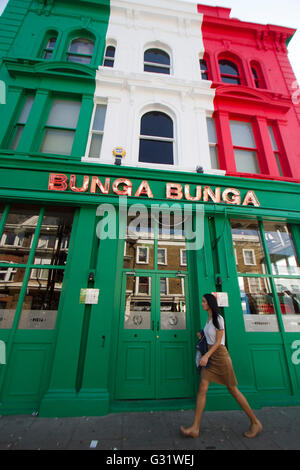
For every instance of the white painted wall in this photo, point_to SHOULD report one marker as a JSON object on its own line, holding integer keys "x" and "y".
{"x": 174, "y": 26}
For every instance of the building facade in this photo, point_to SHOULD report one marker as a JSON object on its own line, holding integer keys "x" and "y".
{"x": 148, "y": 155}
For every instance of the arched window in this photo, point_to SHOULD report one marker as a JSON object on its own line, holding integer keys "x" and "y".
{"x": 229, "y": 72}
{"x": 157, "y": 61}
{"x": 257, "y": 75}
{"x": 156, "y": 138}
{"x": 49, "y": 45}
{"x": 109, "y": 57}
{"x": 81, "y": 51}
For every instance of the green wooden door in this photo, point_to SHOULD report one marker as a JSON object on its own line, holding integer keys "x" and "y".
{"x": 154, "y": 354}
{"x": 34, "y": 243}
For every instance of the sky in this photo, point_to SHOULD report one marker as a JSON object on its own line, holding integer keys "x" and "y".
{"x": 278, "y": 12}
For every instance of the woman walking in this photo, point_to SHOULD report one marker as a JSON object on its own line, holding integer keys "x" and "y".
{"x": 220, "y": 370}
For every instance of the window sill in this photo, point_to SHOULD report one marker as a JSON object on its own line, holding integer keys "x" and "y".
{"x": 262, "y": 177}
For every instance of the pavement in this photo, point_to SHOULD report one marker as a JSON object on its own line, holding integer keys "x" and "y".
{"x": 152, "y": 431}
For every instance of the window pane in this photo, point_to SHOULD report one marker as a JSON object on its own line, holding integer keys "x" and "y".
{"x": 232, "y": 80}
{"x": 214, "y": 160}
{"x": 288, "y": 291}
{"x": 108, "y": 63}
{"x": 246, "y": 161}
{"x": 137, "y": 314}
{"x": 17, "y": 137}
{"x": 157, "y": 56}
{"x": 157, "y": 124}
{"x": 211, "y": 128}
{"x": 257, "y": 305}
{"x": 95, "y": 147}
{"x": 99, "y": 118}
{"x": 54, "y": 239}
{"x": 278, "y": 163}
{"x": 51, "y": 43}
{"x": 58, "y": 141}
{"x": 156, "y": 69}
{"x": 41, "y": 302}
{"x": 139, "y": 237}
{"x": 255, "y": 75}
{"x": 242, "y": 134}
{"x": 110, "y": 51}
{"x": 153, "y": 151}
{"x": 203, "y": 65}
{"x": 82, "y": 46}
{"x": 281, "y": 249}
{"x": 172, "y": 304}
{"x": 246, "y": 239}
{"x": 79, "y": 59}
{"x": 273, "y": 140}
{"x": 228, "y": 67}
{"x": 171, "y": 238}
{"x": 18, "y": 234}
{"x": 64, "y": 113}
{"x": 10, "y": 285}
{"x": 26, "y": 110}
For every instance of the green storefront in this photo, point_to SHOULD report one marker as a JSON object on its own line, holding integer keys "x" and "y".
{"x": 128, "y": 343}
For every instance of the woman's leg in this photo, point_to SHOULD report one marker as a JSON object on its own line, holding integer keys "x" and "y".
{"x": 193, "y": 431}
{"x": 255, "y": 426}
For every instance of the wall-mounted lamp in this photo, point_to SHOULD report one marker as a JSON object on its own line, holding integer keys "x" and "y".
{"x": 119, "y": 153}
{"x": 199, "y": 169}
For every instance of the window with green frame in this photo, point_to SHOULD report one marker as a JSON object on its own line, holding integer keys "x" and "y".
{"x": 268, "y": 274}
{"x": 26, "y": 105}
{"x": 34, "y": 244}
{"x": 59, "y": 130}
{"x": 81, "y": 50}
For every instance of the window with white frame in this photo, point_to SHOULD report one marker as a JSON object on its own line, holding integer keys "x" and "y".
{"x": 164, "y": 286}
{"x": 275, "y": 149}
{"x": 249, "y": 257}
{"x": 162, "y": 256}
{"x": 213, "y": 143}
{"x": 245, "y": 148}
{"x": 157, "y": 61}
{"x": 142, "y": 255}
{"x": 7, "y": 274}
{"x": 109, "y": 56}
{"x": 183, "y": 259}
{"x": 156, "y": 138}
{"x": 40, "y": 273}
{"x": 143, "y": 285}
{"x": 12, "y": 239}
{"x": 97, "y": 131}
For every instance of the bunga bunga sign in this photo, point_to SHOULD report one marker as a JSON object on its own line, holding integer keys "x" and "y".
{"x": 174, "y": 191}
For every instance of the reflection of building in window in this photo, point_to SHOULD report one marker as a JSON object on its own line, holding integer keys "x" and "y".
{"x": 143, "y": 285}
{"x": 142, "y": 255}
{"x": 249, "y": 257}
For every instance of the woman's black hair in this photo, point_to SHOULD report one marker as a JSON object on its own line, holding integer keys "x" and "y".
{"x": 212, "y": 302}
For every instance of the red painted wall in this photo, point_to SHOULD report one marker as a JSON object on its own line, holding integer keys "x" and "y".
{"x": 273, "y": 103}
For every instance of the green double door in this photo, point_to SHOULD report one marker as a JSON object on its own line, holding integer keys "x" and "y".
{"x": 154, "y": 358}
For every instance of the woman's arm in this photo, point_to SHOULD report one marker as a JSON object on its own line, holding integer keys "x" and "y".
{"x": 204, "y": 359}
